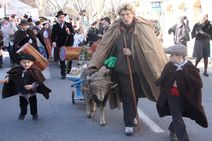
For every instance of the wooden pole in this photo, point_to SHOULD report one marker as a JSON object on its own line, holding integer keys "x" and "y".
{"x": 132, "y": 87}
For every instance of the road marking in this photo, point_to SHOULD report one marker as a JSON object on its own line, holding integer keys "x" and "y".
{"x": 152, "y": 125}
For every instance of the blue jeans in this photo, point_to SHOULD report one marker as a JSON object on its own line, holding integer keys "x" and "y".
{"x": 42, "y": 51}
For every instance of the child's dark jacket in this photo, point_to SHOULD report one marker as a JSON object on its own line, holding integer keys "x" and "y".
{"x": 189, "y": 84}
{"x": 15, "y": 75}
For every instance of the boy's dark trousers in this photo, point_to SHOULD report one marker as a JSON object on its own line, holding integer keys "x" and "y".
{"x": 177, "y": 125}
{"x": 24, "y": 103}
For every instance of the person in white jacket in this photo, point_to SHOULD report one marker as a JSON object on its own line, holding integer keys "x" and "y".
{"x": 78, "y": 37}
{"x": 5, "y": 28}
{"x": 8, "y": 28}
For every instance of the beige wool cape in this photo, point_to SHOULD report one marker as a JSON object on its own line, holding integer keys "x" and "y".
{"x": 147, "y": 52}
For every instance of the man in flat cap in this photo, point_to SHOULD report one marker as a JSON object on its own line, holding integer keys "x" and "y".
{"x": 180, "y": 93}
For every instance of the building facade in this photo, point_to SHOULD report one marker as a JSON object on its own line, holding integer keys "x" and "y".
{"x": 167, "y": 12}
{"x": 9, "y": 7}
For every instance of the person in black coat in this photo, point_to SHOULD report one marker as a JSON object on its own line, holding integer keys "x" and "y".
{"x": 180, "y": 93}
{"x": 62, "y": 35}
{"x": 92, "y": 34}
{"x": 202, "y": 32}
{"x": 22, "y": 36}
{"x": 25, "y": 80}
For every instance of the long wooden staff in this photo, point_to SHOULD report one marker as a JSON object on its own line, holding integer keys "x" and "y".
{"x": 132, "y": 87}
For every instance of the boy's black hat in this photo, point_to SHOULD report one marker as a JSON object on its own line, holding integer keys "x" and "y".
{"x": 24, "y": 56}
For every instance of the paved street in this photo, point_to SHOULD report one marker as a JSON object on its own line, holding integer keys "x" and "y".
{"x": 60, "y": 120}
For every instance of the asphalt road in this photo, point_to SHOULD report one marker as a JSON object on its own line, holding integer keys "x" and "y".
{"x": 60, "y": 120}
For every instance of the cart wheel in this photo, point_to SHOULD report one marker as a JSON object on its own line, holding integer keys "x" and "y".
{"x": 72, "y": 97}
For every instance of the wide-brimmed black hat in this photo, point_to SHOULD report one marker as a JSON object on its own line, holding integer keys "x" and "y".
{"x": 24, "y": 56}
{"x": 24, "y": 22}
{"x": 60, "y": 13}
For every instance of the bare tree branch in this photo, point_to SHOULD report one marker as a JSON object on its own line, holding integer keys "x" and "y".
{"x": 53, "y": 6}
{"x": 37, "y": 3}
{"x": 65, "y": 4}
{"x": 74, "y": 7}
{"x": 58, "y": 6}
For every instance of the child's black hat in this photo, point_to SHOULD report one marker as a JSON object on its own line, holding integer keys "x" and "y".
{"x": 24, "y": 56}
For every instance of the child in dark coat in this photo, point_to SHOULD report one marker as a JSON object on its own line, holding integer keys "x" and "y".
{"x": 25, "y": 80}
{"x": 180, "y": 93}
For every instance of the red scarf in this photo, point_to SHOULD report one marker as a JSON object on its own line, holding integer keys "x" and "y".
{"x": 175, "y": 91}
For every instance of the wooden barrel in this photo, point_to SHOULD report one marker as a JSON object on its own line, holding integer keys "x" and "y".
{"x": 40, "y": 61}
{"x": 69, "y": 53}
{"x": 72, "y": 53}
{"x": 48, "y": 46}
